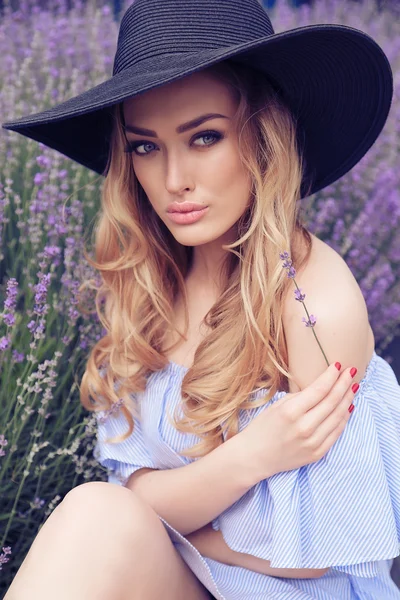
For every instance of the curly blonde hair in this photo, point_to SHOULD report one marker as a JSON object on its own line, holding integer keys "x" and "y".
{"x": 143, "y": 269}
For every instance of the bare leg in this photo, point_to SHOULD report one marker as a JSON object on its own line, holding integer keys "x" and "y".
{"x": 104, "y": 543}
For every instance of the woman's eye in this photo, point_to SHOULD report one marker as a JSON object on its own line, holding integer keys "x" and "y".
{"x": 209, "y": 134}
{"x": 133, "y": 146}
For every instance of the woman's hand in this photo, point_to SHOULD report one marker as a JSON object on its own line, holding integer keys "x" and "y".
{"x": 300, "y": 427}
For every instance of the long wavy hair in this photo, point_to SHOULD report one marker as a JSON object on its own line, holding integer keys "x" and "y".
{"x": 143, "y": 269}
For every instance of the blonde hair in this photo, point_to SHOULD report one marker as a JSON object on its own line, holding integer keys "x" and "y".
{"x": 143, "y": 268}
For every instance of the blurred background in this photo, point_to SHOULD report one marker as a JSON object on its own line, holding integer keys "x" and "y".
{"x": 53, "y": 50}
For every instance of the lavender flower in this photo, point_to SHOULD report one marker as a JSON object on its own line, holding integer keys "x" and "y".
{"x": 3, "y": 442}
{"x": 103, "y": 415}
{"x": 41, "y": 307}
{"x": 309, "y": 322}
{"x": 8, "y": 315}
{"x": 17, "y": 356}
{"x": 291, "y": 273}
{"x": 5, "y": 343}
{"x": 3, "y": 556}
{"x": 37, "y": 503}
{"x": 298, "y": 295}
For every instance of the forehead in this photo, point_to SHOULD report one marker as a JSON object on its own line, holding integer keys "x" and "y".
{"x": 185, "y": 98}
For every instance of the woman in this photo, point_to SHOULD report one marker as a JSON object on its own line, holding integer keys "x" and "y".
{"x": 240, "y": 470}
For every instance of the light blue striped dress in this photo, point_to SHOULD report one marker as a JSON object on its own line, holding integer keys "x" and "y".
{"x": 341, "y": 512}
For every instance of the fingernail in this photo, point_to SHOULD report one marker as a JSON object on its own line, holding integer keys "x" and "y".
{"x": 351, "y": 408}
{"x": 338, "y": 365}
{"x": 355, "y": 387}
{"x": 353, "y": 371}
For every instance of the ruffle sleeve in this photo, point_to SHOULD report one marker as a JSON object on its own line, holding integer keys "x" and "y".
{"x": 123, "y": 458}
{"x": 342, "y": 511}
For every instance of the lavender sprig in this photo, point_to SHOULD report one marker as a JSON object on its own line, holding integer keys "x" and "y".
{"x": 102, "y": 416}
{"x": 291, "y": 273}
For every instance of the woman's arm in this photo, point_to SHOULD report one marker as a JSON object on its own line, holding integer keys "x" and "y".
{"x": 191, "y": 496}
{"x": 211, "y": 543}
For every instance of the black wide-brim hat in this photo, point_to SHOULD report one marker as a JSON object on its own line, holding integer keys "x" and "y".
{"x": 336, "y": 80}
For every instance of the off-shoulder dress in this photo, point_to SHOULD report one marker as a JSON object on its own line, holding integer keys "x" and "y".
{"x": 341, "y": 512}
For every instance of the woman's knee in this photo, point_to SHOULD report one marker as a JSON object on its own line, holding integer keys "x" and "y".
{"x": 108, "y": 508}
{"x": 107, "y": 515}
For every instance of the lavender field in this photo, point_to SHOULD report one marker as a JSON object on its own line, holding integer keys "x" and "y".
{"x": 50, "y": 52}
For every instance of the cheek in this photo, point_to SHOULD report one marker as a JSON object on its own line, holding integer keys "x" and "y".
{"x": 226, "y": 165}
{"x": 233, "y": 180}
{"x": 142, "y": 174}
{"x": 148, "y": 180}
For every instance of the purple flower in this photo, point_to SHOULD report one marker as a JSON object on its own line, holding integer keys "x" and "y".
{"x": 37, "y": 502}
{"x": 103, "y": 415}
{"x": 31, "y": 326}
{"x": 52, "y": 251}
{"x": 18, "y": 356}
{"x": 309, "y": 322}
{"x": 38, "y": 179}
{"x": 298, "y": 295}
{"x": 41, "y": 294}
{"x": 3, "y": 442}
{"x": 3, "y": 558}
{"x": 5, "y": 343}
{"x": 43, "y": 161}
{"x": 9, "y": 319}
{"x": 10, "y": 302}
{"x": 288, "y": 264}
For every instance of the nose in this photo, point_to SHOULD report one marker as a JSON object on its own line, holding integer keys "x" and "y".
{"x": 177, "y": 177}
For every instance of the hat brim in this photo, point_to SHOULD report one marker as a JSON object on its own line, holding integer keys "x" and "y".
{"x": 336, "y": 80}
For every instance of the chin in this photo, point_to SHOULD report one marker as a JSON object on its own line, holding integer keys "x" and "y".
{"x": 193, "y": 240}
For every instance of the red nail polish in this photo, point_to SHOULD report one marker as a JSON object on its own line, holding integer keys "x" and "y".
{"x": 351, "y": 408}
{"x": 353, "y": 371}
{"x": 338, "y": 365}
{"x": 355, "y": 387}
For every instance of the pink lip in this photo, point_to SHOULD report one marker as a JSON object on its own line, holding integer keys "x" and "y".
{"x": 181, "y": 207}
{"x": 185, "y": 218}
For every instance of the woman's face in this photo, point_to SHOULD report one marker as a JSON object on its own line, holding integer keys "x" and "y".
{"x": 198, "y": 165}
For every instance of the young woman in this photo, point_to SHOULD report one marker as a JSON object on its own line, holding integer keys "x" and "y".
{"x": 241, "y": 471}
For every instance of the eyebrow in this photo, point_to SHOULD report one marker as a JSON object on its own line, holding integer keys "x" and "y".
{"x": 180, "y": 129}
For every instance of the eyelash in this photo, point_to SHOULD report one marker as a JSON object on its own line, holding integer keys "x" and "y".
{"x": 132, "y": 146}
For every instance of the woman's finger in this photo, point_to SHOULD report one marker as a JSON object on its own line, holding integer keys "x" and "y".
{"x": 327, "y": 441}
{"x": 333, "y": 426}
{"x": 313, "y": 394}
{"x": 332, "y": 404}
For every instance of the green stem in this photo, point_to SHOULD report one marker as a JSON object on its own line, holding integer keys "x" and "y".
{"x": 21, "y": 485}
{"x": 305, "y": 308}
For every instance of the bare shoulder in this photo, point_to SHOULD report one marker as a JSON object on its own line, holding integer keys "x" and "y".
{"x": 342, "y": 327}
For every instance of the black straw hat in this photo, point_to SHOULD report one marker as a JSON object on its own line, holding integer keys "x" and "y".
{"x": 336, "y": 80}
